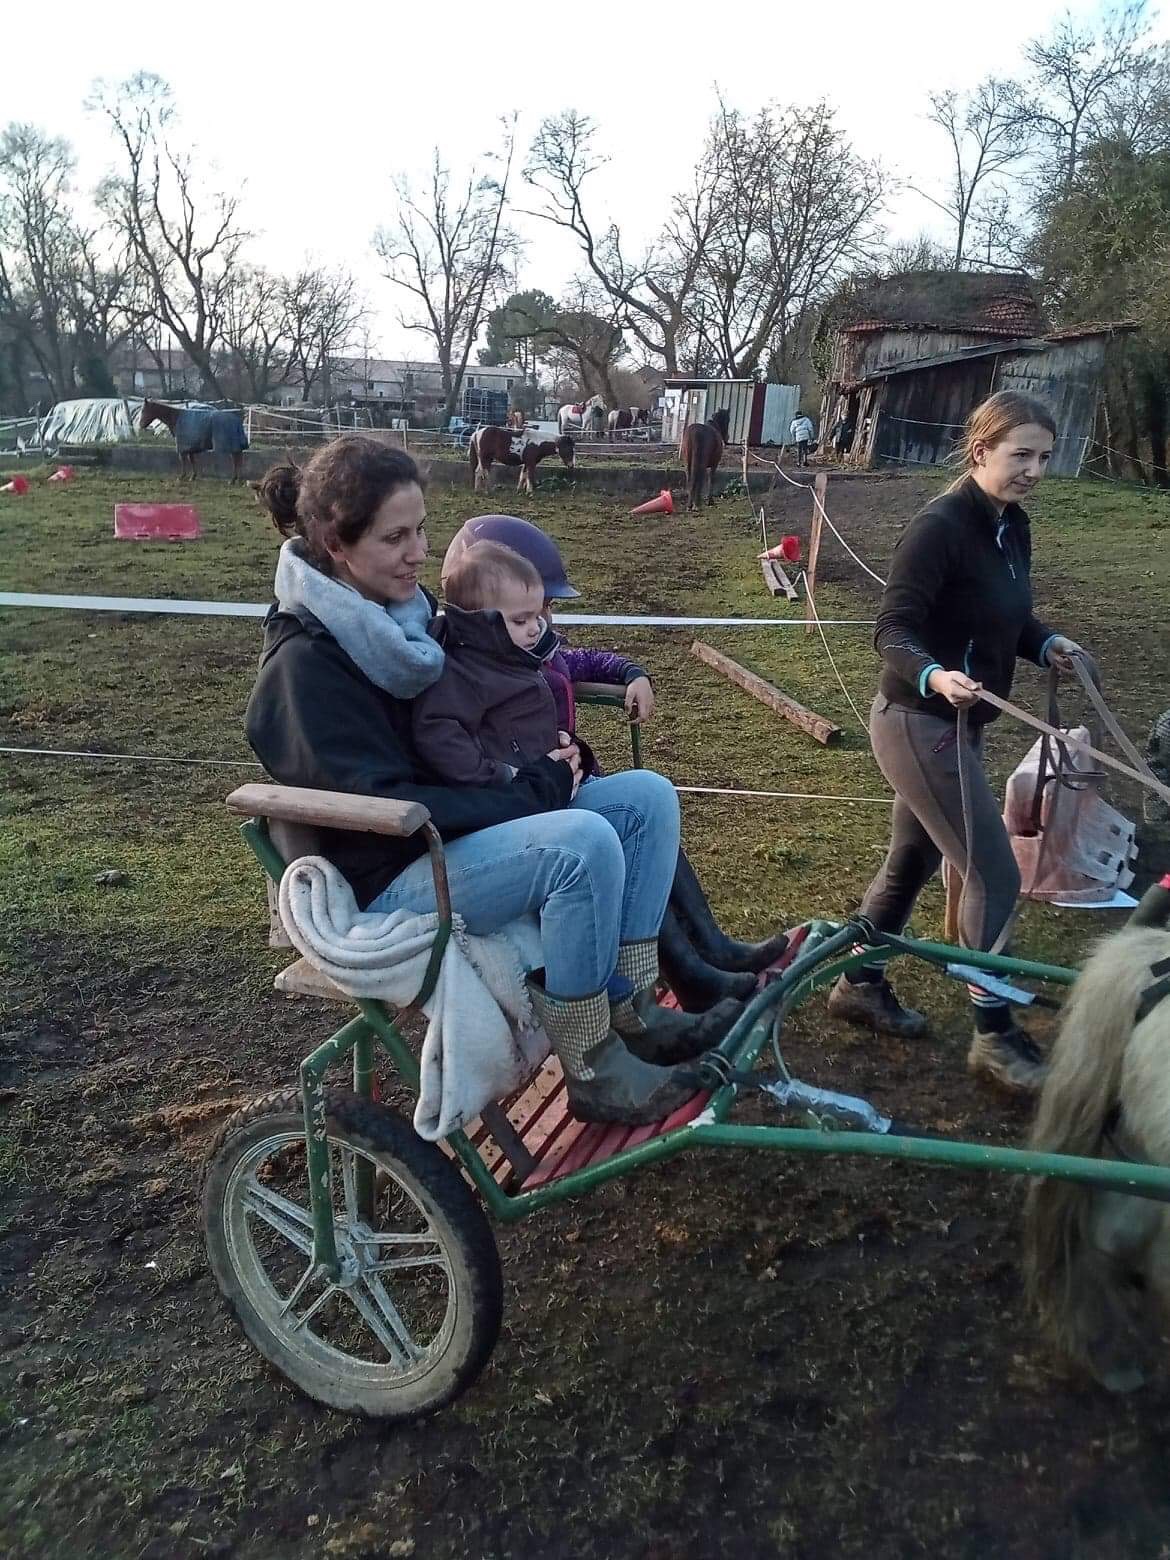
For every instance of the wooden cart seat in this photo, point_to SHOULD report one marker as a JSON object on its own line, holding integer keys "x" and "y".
{"x": 554, "y": 1142}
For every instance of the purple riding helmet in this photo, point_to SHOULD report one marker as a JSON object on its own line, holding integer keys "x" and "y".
{"x": 522, "y": 537}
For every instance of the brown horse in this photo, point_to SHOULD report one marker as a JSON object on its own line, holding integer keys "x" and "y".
{"x": 625, "y": 418}
{"x": 491, "y": 445}
{"x": 701, "y": 450}
{"x": 198, "y": 429}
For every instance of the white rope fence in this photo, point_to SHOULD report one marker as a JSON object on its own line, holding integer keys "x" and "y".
{"x": 250, "y": 763}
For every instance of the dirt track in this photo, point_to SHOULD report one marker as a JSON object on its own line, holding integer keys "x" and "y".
{"x": 722, "y": 1357}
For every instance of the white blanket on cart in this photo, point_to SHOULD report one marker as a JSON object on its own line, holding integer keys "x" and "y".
{"x": 481, "y": 1040}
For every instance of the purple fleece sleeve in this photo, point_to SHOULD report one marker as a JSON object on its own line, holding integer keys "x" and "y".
{"x": 601, "y": 666}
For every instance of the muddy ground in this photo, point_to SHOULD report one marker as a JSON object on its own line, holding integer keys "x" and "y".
{"x": 725, "y": 1356}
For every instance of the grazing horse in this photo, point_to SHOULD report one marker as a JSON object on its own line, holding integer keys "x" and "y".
{"x": 590, "y": 416}
{"x": 1098, "y": 1262}
{"x": 701, "y": 450}
{"x": 489, "y": 445}
{"x": 627, "y": 417}
{"x": 199, "y": 429}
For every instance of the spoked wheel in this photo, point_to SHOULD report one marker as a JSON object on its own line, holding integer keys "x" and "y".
{"x": 415, "y": 1312}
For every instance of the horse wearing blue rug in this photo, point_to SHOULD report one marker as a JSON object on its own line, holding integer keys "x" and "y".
{"x": 198, "y": 429}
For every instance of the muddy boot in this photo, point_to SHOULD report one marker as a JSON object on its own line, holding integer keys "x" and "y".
{"x": 697, "y": 984}
{"x": 657, "y": 1034}
{"x": 873, "y": 1005}
{"x": 1011, "y": 1060}
{"x": 710, "y": 941}
{"x": 605, "y": 1081}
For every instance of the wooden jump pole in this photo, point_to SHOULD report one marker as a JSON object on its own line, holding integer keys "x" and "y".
{"x": 776, "y": 581}
{"x": 817, "y": 726}
{"x": 820, "y": 485}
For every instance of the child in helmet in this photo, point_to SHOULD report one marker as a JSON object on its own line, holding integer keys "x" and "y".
{"x": 491, "y": 712}
{"x": 701, "y": 962}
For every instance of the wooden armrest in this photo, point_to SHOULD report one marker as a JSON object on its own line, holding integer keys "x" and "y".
{"x": 329, "y": 809}
{"x": 610, "y": 692}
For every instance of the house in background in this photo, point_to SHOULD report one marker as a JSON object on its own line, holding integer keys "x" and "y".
{"x": 921, "y": 350}
{"x": 395, "y": 387}
{"x": 154, "y": 372}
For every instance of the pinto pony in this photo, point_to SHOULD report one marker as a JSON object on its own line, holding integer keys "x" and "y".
{"x": 491, "y": 445}
{"x": 1098, "y": 1261}
{"x": 589, "y": 417}
{"x": 701, "y": 450}
{"x": 625, "y": 418}
{"x": 198, "y": 429}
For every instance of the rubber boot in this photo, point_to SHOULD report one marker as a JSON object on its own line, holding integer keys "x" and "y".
{"x": 657, "y": 1034}
{"x": 711, "y": 942}
{"x": 697, "y": 984}
{"x": 604, "y": 1080}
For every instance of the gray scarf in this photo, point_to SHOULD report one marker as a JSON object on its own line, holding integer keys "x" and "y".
{"x": 390, "y": 644}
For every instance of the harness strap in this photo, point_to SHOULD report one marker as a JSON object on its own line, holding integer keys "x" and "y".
{"x": 1156, "y": 992}
{"x": 1143, "y": 774}
{"x": 1148, "y": 1001}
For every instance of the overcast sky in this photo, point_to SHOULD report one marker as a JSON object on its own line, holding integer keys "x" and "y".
{"x": 309, "y": 107}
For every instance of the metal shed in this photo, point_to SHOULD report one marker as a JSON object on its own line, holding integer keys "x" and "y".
{"x": 760, "y": 413}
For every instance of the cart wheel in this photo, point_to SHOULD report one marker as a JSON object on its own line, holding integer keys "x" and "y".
{"x": 416, "y": 1311}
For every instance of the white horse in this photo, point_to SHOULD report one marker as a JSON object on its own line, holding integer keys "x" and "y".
{"x": 590, "y": 416}
{"x": 1098, "y": 1261}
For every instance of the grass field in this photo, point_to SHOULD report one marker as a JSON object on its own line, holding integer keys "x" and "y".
{"x": 725, "y": 1357}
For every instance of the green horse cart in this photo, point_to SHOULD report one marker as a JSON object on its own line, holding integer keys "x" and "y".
{"x": 360, "y": 1259}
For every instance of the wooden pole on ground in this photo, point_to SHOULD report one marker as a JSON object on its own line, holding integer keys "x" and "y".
{"x": 775, "y": 579}
{"x": 820, "y": 485}
{"x": 808, "y": 720}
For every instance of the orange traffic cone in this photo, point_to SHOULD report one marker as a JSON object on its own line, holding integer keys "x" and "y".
{"x": 18, "y": 485}
{"x": 662, "y": 505}
{"x": 788, "y": 548}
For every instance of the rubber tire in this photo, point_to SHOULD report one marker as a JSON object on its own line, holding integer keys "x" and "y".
{"x": 470, "y": 1247}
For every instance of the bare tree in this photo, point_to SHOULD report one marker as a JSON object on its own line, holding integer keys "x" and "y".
{"x": 63, "y": 297}
{"x": 451, "y": 252}
{"x": 776, "y": 208}
{"x": 1078, "y": 82}
{"x": 797, "y": 209}
{"x": 186, "y": 241}
{"x": 987, "y": 133}
{"x": 585, "y": 341}
{"x": 655, "y": 292}
{"x": 324, "y": 313}
{"x": 255, "y": 334}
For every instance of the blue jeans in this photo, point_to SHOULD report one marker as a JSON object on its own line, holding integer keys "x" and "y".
{"x": 599, "y": 873}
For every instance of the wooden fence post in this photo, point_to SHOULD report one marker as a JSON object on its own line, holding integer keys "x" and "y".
{"x": 820, "y": 485}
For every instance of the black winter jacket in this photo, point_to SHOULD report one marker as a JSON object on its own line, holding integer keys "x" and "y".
{"x": 959, "y": 597}
{"x": 491, "y": 707}
{"x": 315, "y": 719}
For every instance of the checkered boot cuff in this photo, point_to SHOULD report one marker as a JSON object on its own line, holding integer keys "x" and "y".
{"x": 638, "y": 962}
{"x": 575, "y": 1026}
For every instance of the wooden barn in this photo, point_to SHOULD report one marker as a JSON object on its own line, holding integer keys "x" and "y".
{"x": 921, "y": 350}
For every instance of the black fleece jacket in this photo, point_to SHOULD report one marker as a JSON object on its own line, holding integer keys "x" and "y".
{"x": 315, "y": 719}
{"x": 959, "y": 597}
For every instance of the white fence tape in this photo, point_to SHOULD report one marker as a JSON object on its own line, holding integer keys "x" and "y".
{"x": 251, "y": 609}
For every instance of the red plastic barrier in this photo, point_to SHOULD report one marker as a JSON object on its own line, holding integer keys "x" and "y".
{"x": 156, "y": 522}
